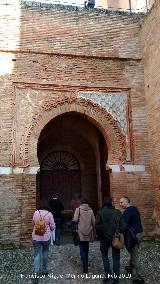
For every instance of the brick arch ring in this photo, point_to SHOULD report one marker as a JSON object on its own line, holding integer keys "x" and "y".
{"x": 115, "y": 139}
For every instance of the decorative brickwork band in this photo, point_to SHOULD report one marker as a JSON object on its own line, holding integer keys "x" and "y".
{"x": 114, "y": 137}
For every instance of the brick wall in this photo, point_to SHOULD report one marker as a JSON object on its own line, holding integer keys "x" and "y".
{"x": 69, "y": 31}
{"x": 11, "y": 208}
{"x": 50, "y": 52}
{"x": 151, "y": 59}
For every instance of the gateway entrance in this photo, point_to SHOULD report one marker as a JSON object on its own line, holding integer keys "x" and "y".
{"x": 72, "y": 154}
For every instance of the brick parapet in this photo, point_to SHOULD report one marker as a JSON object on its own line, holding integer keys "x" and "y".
{"x": 30, "y": 26}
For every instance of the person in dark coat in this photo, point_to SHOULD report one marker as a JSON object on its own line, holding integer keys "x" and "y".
{"x": 56, "y": 209}
{"x": 134, "y": 225}
{"x": 89, "y": 4}
{"x": 106, "y": 224}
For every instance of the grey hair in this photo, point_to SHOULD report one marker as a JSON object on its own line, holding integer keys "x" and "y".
{"x": 127, "y": 199}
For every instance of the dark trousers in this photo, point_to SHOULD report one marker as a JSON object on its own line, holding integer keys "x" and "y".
{"x": 116, "y": 262}
{"x": 84, "y": 249}
{"x": 58, "y": 230}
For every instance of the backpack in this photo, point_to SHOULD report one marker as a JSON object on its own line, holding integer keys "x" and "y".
{"x": 40, "y": 225}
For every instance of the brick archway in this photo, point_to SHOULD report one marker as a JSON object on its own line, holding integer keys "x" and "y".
{"x": 104, "y": 121}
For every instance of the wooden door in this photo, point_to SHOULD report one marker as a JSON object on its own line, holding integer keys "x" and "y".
{"x": 61, "y": 182}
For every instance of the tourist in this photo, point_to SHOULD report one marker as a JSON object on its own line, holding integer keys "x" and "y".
{"x": 106, "y": 224}
{"x": 86, "y": 223}
{"x": 41, "y": 237}
{"x": 56, "y": 209}
{"x": 89, "y": 4}
{"x": 134, "y": 225}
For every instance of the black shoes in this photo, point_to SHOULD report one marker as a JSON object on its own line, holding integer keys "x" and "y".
{"x": 57, "y": 242}
{"x": 85, "y": 268}
{"x": 106, "y": 280}
{"x": 44, "y": 274}
{"x": 39, "y": 275}
{"x": 128, "y": 269}
{"x": 138, "y": 281}
{"x": 35, "y": 281}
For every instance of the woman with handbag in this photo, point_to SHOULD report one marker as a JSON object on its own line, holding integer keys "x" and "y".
{"x": 85, "y": 218}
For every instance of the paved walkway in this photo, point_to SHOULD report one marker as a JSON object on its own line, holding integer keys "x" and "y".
{"x": 16, "y": 266}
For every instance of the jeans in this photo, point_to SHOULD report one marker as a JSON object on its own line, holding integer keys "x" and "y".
{"x": 116, "y": 262}
{"x": 58, "y": 230}
{"x": 84, "y": 249}
{"x": 38, "y": 246}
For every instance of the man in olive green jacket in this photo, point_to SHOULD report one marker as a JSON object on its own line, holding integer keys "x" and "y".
{"x": 106, "y": 225}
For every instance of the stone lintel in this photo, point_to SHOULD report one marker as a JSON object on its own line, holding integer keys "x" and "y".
{"x": 34, "y": 170}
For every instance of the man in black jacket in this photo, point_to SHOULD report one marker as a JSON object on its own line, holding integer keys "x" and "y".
{"x": 134, "y": 225}
{"x": 56, "y": 209}
{"x": 106, "y": 225}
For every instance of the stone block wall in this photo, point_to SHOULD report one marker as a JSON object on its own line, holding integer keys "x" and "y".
{"x": 151, "y": 58}
{"x": 50, "y": 53}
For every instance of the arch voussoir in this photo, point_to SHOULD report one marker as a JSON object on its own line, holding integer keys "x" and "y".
{"x": 104, "y": 121}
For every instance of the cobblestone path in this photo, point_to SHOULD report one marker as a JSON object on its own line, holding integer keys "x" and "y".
{"x": 16, "y": 265}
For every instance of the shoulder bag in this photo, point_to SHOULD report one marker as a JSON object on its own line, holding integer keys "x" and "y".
{"x": 118, "y": 238}
{"x": 75, "y": 234}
